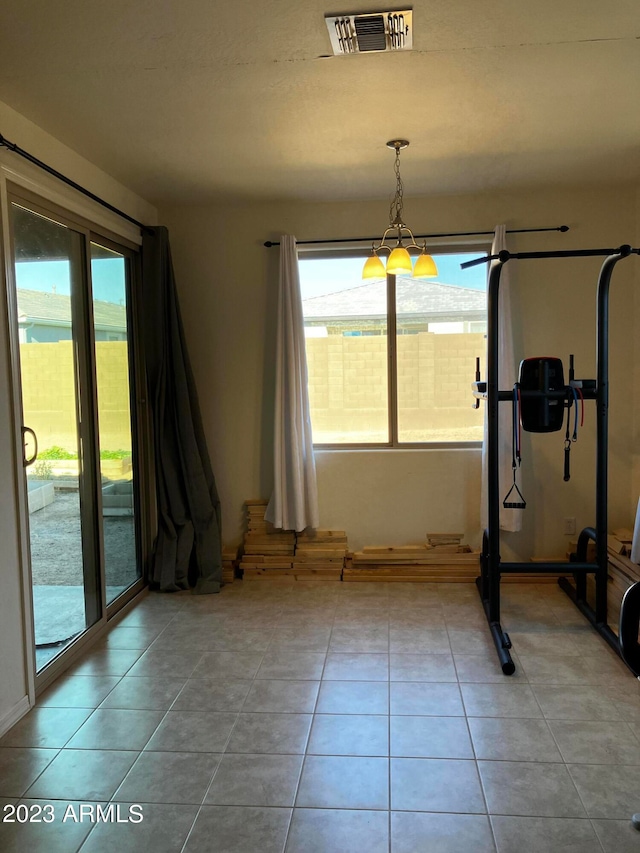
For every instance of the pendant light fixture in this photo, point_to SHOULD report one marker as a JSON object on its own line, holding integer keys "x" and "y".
{"x": 399, "y": 260}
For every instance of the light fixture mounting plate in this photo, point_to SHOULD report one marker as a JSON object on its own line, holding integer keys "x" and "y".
{"x": 398, "y": 144}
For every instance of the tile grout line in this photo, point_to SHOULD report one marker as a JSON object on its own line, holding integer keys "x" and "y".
{"x": 208, "y": 788}
{"x": 389, "y": 727}
{"x": 473, "y": 746}
{"x": 109, "y": 799}
{"x": 560, "y": 761}
{"x": 198, "y": 810}
{"x": 308, "y": 738}
{"x": 60, "y": 749}
{"x": 573, "y": 782}
{"x": 112, "y": 798}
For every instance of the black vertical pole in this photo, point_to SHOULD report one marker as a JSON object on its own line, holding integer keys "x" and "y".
{"x": 490, "y": 584}
{"x": 493, "y": 469}
{"x": 602, "y": 439}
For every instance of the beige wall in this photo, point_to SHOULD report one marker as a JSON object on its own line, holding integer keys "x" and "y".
{"x": 16, "y": 128}
{"x": 228, "y": 286}
{"x": 14, "y": 680}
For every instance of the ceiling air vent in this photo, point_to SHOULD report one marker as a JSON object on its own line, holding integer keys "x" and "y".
{"x": 372, "y": 31}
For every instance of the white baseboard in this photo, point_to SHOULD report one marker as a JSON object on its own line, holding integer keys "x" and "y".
{"x": 11, "y": 717}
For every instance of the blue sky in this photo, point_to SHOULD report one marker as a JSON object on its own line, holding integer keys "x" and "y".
{"x": 107, "y": 275}
{"x": 317, "y": 277}
{"x": 330, "y": 275}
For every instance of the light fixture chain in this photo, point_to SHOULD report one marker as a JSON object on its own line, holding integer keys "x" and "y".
{"x": 399, "y": 261}
{"x": 395, "y": 210}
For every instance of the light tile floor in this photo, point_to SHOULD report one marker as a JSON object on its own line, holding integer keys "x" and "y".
{"x": 317, "y": 718}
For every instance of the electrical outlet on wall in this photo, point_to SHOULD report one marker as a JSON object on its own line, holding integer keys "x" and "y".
{"x": 569, "y": 526}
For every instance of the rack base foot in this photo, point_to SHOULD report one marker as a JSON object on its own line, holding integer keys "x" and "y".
{"x": 500, "y": 639}
{"x": 588, "y": 612}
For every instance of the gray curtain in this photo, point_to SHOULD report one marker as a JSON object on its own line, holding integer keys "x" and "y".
{"x": 188, "y": 548}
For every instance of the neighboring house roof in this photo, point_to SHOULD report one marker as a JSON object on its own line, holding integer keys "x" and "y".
{"x": 414, "y": 297}
{"x": 55, "y": 309}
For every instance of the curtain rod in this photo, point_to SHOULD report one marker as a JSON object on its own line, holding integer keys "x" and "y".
{"x": 269, "y": 243}
{"x": 11, "y": 146}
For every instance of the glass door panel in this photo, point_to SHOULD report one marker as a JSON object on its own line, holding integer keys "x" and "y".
{"x": 109, "y": 274}
{"x": 50, "y": 283}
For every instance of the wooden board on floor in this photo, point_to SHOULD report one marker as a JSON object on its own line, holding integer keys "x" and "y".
{"x": 445, "y": 538}
{"x": 272, "y": 538}
{"x": 248, "y": 562}
{"x": 274, "y": 552}
{"x": 321, "y": 554}
{"x": 395, "y": 549}
{"x": 284, "y": 556}
{"x": 339, "y": 548}
{"x": 625, "y": 567}
{"x": 425, "y": 558}
{"x": 429, "y": 573}
{"x": 622, "y": 574}
{"x": 229, "y": 563}
{"x": 318, "y": 535}
{"x": 349, "y": 576}
{"x": 271, "y": 574}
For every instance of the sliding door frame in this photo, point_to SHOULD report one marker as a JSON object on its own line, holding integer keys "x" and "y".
{"x": 87, "y": 403}
{"x": 138, "y": 413}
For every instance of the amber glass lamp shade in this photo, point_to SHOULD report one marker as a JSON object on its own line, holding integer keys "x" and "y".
{"x": 374, "y": 268}
{"x": 399, "y": 262}
{"x": 425, "y": 267}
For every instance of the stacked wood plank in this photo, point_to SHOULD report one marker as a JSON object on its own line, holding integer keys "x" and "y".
{"x": 281, "y": 555}
{"x": 265, "y": 547}
{"x": 442, "y": 559}
{"x": 229, "y": 562}
{"x": 619, "y": 542}
{"x": 446, "y": 542}
{"x": 266, "y": 567}
{"x": 622, "y": 574}
{"x": 262, "y": 537}
{"x": 320, "y": 554}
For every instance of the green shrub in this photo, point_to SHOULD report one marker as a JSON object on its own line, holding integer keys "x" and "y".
{"x": 42, "y": 470}
{"x": 114, "y": 454}
{"x": 56, "y": 452}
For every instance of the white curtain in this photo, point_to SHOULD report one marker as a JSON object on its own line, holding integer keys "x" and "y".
{"x": 510, "y": 519}
{"x": 294, "y": 502}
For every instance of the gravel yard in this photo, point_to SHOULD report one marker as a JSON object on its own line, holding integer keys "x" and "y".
{"x": 56, "y": 563}
{"x": 56, "y": 556}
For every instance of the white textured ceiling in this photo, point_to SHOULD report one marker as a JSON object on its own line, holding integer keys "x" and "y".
{"x": 188, "y": 100}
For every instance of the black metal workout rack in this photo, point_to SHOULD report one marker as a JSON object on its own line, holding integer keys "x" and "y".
{"x": 492, "y": 567}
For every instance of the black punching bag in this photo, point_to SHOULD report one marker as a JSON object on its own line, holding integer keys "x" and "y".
{"x": 542, "y": 414}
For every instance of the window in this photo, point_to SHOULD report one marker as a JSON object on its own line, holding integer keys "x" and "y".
{"x": 391, "y": 361}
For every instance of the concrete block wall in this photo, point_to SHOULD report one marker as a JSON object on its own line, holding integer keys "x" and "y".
{"x": 348, "y": 387}
{"x": 48, "y": 391}
{"x": 114, "y": 416}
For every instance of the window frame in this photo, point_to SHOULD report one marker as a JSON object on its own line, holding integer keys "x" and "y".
{"x": 481, "y": 246}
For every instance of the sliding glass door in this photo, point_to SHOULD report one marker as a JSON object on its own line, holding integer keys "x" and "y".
{"x": 74, "y": 368}
{"x": 111, "y": 333}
